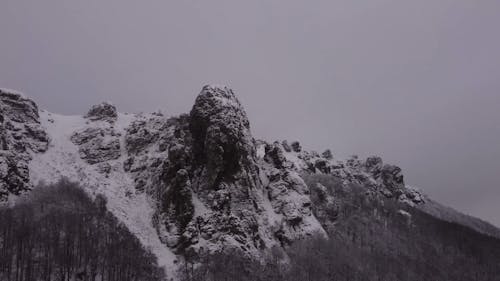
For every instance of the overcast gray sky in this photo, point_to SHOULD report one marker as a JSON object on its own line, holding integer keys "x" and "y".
{"x": 416, "y": 82}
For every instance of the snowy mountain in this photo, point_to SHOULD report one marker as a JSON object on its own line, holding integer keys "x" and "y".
{"x": 190, "y": 183}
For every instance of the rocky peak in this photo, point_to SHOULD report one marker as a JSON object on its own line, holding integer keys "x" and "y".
{"x": 212, "y": 185}
{"x": 104, "y": 111}
{"x": 241, "y": 201}
{"x": 222, "y": 141}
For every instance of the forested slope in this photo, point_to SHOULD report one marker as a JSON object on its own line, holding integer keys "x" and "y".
{"x": 370, "y": 239}
{"x": 59, "y": 233}
{"x": 395, "y": 241}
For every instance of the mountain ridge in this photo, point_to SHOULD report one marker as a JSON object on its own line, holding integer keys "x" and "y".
{"x": 190, "y": 183}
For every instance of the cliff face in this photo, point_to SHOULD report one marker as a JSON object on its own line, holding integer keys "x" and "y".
{"x": 198, "y": 181}
{"x": 211, "y": 189}
{"x": 21, "y": 136}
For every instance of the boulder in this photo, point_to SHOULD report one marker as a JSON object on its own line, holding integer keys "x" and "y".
{"x": 103, "y": 112}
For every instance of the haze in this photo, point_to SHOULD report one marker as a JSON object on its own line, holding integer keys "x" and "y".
{"x": 416, "y": 82}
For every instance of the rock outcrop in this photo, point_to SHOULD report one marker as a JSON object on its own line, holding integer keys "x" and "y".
{"x": 97, "y": 145}
{"x": 289, "y": 196}
{"x": 224, "y": 177}
{"x": 223, "y": 149}
{"x": 379, "y": 178}
{"x": 210, "y": 184}
{"x": 212, "y": 190}
{"x": 102, "y": 112}
{"x": 20, "y": 135}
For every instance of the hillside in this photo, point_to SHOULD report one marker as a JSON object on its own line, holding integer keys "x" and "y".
{"x": 58, "y": 232}
{"x": 199, "y": 184}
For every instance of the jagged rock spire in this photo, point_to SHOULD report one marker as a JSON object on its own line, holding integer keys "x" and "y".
{"x": 222, "y": 141}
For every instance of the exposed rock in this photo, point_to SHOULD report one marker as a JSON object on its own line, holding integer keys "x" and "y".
{"x": 322, "y": 165}
{"x": 327, "y": 154}
{"x": 176, "y": 203}
{"x": 87, "y": 135}
{"x": 97, "y": 145}
{"x": 353, "y": 162}
{"x": 18, "y": 108}
{"x": 140, "y": 135}
{"x": 366, "y": 173}
{"x": 222, "y": 143}
{"x": 412, "y": 196}
{"x": 324, "y": 206}
{"x": 156, "y": 149}
{"x": 218, "y": 152}
{"x": 286, "y": 146}
{"x": 100, "y": 150}
{"x": 296, "y": 146}
{"x": 374, "y": 165}
{"x": 14, "y": 175}
{"x": 104, "y": 112}
{"x": 20, "y": 136}
{"x": 39, "y": 141}
{"x": 210, "y": 158}
{"x": 392, "y": 179}
{"x": 274, "y": 154}
{"x": 211, "y": 184}
{"x": 289, "y": 197}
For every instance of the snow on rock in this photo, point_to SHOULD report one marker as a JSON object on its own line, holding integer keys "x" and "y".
{"x": 289, "y": 197}
{"x": 64, "y": 159}
{"x": 20, "y": 136}
{"x": 211, "y": 190}
{"x": 186, "y": 183}
{"x": 229, "y": 204}
{"x": 222, "y": 142}
{"x": 97, "y": 145}
{"x": 102, "y": 112}
{"x": 379, "y": 178}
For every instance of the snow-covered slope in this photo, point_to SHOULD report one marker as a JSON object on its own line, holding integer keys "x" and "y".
{"x": 63, "y": 159}
{"x": 198, "y": 181}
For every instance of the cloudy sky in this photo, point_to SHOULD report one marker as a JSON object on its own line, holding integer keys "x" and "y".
{"x": 416, "y": 82}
